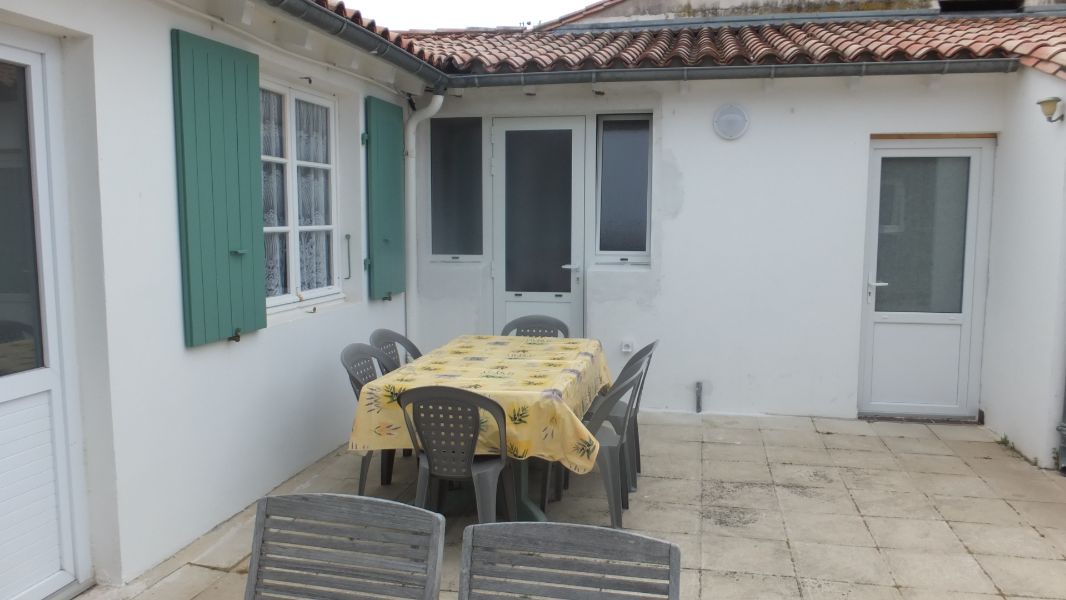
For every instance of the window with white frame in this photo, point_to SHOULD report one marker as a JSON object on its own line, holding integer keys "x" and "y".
{"x": 624, "y": 189}
{"x": 298, "y": 195}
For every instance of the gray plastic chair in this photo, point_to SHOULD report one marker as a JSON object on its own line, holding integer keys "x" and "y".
{"x": 612, "y": 461}
{"x": 446, "y": 423}
{"x": 640, "y": 360}
{"x": 536, "y": 326}
{"x": 567, "y": 562}
{"x": 623, "y": 417}
{"x": 390, "y": 342}
{"x": 363, "y": 364}
{"x": 338, "y": 546}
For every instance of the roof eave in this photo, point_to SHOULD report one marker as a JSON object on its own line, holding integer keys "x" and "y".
{"x": 917, "y": 67}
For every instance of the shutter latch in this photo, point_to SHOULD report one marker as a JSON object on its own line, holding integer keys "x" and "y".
{"x": 364, "y": 138}
{"x": 366, "y": 264}
{"x": 236, "y": 337}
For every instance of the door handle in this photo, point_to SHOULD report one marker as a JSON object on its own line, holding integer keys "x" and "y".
{"x": 877, "y": 284}
{"x": 570, "y": 267}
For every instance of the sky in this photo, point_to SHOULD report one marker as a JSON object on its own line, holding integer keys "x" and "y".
{"x": 438, "y": 14}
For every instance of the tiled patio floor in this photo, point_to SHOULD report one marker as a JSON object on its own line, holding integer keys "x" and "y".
{"x": 764, "y": 508}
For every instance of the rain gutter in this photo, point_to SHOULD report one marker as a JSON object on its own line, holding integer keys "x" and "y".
{"x": 333, "y": 24}
{"x": 925, "y": 67}
{"x": 437, "y": 80}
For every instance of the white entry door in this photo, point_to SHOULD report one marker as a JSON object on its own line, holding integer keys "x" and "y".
{"x": 925, "y": 277}
{"x": 37, "y": 551}
{"x": 538, "y": 219}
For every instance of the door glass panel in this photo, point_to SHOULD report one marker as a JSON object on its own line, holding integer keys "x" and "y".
{"x": 20, "y": 306}
{"x": 921, "y": 241}
{"x": 538, "y": 198}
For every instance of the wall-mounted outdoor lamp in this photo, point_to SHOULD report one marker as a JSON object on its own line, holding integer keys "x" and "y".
{"x": 1050, "y": 106}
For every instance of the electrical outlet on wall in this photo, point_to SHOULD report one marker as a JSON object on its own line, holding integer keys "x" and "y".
{"x": 627, "y": 346}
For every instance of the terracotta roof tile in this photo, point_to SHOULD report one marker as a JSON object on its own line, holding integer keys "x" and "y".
{"x": 1040, "y": 41}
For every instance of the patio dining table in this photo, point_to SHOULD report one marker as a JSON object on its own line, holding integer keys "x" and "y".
{"x": 543, "y": 384}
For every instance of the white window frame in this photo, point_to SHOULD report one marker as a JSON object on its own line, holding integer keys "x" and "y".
{"x": 486, "y": 220}
{"x": 621, "y": 257}
{"x": 297, "y": 298}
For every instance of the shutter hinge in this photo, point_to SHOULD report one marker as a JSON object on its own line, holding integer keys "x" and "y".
{"x": 366, "y": 264}
{"x": 364, "y": 138}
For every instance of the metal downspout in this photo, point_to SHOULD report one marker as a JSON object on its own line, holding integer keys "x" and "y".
{"x": 410, "y": 173}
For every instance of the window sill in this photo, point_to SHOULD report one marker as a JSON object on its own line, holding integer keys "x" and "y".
{"x": 283, "y": 313}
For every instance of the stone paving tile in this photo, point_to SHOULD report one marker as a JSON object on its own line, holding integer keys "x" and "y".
{"x": 963, "y": 433}
{"x": 829, "y": 501}
{"x": 930, "y": 463}
{"x": 806, "y": 475}
{"x": 671, "y": 467}
{"x": 841, "y": 530}
{"x": 952, "y": 485}
{"x": 760, "y": 557}
{"x": 926, "y": 496}
{"x": 1020, "y": 541}
{"x": 655, "y": 446}
{"x": 731, "y": 421}
{"x": 799, "y": 456}
{"x": 787, "y": 437}
{"x": 786, "y": 423}
{"x": 844, "y": 426}
{"x": 814, "y": 589}
{"x": 864, "y": 460}
{"x": 843, "y": 441}
{"x": 1027, "y": 576}
{"x": 184, "y": 584}
{"x": 914, "y": 534}
{"x": 656, "y": 489}
{"x": 887, "y": 429}
{"x": 716, "y": 585}
{"x": 879, "y": 503}
{"x": 849, "y": 564}
{"x": 976, "y": 510}
{"x": 743, "y": 472}
{"x": 938, "y": 571}
{"x": 730, "y": 435}
{"x": 878, "y": 479}
{"x": 908, "y": 445}
{"x": 1045, "y": 514}
{"x": 734, "y": 452}
{"x": 743, "y": 495}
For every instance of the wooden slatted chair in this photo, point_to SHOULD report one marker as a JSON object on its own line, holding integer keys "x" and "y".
{"x": 338, "y": 547}
{"x": 566, "y": 562}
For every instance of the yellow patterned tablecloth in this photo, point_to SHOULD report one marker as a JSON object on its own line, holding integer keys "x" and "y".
{"x": 543, "y": 384}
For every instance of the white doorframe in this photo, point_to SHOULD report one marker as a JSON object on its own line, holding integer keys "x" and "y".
{"x": 572, "y": 304}
{"x": 41, "y": 55}
{"x": 975, "y": 279}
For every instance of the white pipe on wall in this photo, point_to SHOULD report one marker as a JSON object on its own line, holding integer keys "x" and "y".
{"x": 410, "y": 166}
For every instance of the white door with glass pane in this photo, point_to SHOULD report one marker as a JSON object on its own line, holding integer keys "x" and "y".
{"x": 925, "y": 281}
{"x": 538, "y": 185}
{"x": 37, "y": 530}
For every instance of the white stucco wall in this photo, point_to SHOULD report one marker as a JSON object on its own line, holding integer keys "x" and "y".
{"x": 756, "y": 280}
{"x": 1025, "y": 355}
{"x": 179, "y": 439}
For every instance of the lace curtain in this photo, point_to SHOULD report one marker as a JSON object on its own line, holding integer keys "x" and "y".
{"x": 310, "y": 128}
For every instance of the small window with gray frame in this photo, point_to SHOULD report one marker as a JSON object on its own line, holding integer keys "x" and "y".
{"x": 623, "y": 207}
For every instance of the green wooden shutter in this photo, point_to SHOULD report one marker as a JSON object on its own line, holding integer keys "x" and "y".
{"x": 220, "y": 203}
{"x": 385, "y": 197}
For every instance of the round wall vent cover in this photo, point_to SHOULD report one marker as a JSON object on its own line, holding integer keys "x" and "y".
{"x": 730, "y": 121}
